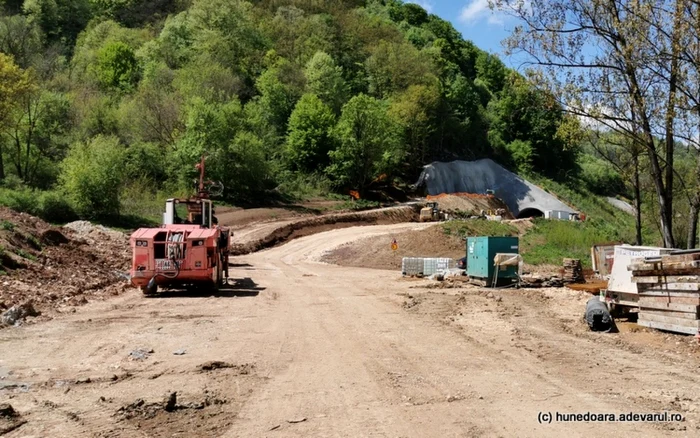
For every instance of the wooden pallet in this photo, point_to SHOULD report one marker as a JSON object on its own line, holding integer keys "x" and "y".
{"x": 669, "y": 292}
{"x": 661, "y": 266}
{"x": 675, "y": 325}
{"x": 683, "y": 282}
{"x": 659, "y": 300}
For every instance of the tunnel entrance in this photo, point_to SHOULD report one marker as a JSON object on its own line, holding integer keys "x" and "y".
{"x": 530, "y": 212}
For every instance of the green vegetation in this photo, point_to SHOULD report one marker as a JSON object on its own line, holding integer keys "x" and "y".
{"x": 549, "y": 242}
{"x": 7, "y": 226}
{"x": 24, "y": 254}
{"x": 107, "y": 105}
{"x": 475, "y": 227}
{"x": 357, "y": 205}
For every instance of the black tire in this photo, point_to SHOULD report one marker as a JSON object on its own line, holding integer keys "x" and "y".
{"x": 149, "y": 291}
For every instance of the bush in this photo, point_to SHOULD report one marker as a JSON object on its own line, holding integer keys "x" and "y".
{"x": 297, "y": 186}
{"x": 140, "y": 198}
{"x": 601, "y": 178}
{"x": 92, "y": 176}
{"x": 55, "y": 208}
{"x": 22, "y": 200}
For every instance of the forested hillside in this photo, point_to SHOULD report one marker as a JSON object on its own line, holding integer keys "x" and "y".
{"x": 105, "y": 104}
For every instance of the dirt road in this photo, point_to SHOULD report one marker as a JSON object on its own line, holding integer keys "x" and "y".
{"x": 309, "y": 349}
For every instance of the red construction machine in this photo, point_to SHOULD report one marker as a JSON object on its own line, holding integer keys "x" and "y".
{"x": 189, "y": 250}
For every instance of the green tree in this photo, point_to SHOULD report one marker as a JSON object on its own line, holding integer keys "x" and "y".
{"x": 280, "y": 87}
{"x": 91, "y": 45}
{"x": 154, "y": 112}
{"x": 227, "y": 31}
{"x": 368, "y": 145}
{"x": 15, "y": 84}
{"x": 415, "y": 110}
{"x": 534, "y": 118}
{"x": 394, "y": 67}
{"x": 20, "y": 38}
{"x": 92, "y": 175}
{"x": 117, "y": 67}
{"x": 236, "y": 156}
{"x": 39, "y": 136}
{"x": 491, "y": 70}
{"x": 60, "y": 20}
{"x": 325, "y": 79}
{"x": 206, "y": 78}
{"x": 309, "y": 140}
{"x": 176, "y": 40}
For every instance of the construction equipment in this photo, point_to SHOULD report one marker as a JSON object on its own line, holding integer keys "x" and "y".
{"x": 189, "y": 250}
{"x": 430, "y": 212}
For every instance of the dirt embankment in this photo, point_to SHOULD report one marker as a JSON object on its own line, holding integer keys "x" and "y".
{"x": 372, "y": 252}
{"x": 54, "y": 267}
{"x": 289, "y": 230}
{"x": 470, "y": 204}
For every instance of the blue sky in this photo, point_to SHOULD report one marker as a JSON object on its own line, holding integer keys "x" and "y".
{"x": 475, "y": 21}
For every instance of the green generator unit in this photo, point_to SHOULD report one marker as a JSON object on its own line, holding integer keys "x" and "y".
{"x": 480, "y": 254}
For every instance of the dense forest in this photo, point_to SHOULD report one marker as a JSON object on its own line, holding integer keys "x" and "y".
{"x": 107, "y": 102}
{"x": 106, "y": 105}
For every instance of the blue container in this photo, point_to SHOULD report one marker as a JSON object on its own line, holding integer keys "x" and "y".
{"x": 481, "y": 252}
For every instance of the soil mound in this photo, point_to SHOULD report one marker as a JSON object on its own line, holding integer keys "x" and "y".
{"x": 53, "y": 267}
{"x": 376, "y": 253}
{"x": 469, "y": 204}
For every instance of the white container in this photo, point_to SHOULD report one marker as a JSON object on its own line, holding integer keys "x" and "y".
{"x": 426, "y": 266}
{"x": 557, "y": 214}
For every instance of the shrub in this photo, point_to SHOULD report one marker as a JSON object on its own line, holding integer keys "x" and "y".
{"x": 22, "y": 200}
{"x": 92, "y": 176}
{"x": 54, "y": 207}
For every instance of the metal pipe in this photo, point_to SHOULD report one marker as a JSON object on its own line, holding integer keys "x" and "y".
{"x": 685, "y": 251}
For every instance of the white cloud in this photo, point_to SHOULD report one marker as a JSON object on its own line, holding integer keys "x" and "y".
{"x": 475, "y": 10}
{"x": 427, "y": 5}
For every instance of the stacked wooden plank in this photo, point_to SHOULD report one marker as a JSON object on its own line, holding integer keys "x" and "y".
{"x": 573, "y": 271}
{"x": 669, "y": 292}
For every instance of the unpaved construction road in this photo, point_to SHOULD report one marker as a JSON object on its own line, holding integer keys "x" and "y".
{"x": 303, "y": 349}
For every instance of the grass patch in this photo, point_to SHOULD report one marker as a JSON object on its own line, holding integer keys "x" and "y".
{"x": 50, "y": 206}
{"x": 358, "y": 205}
{"x": 478, "y": 227}
{"x": 7, "y": 226}
{"x": 550, "y": 241}
{"x": 296, "y": 187}
{"x": 33, "y": 241}
{"x": 24, "y": 254}
{"x": 610, "y": 220}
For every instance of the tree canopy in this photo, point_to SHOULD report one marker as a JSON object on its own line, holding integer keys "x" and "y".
{"x": 271, "y": 91}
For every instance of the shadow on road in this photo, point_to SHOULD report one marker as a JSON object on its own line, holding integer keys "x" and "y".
{"x": 237, "y": 287}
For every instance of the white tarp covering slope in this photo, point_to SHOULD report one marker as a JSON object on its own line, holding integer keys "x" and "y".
{"x": 520, "y": 196}
{"x": 622, "y": 205}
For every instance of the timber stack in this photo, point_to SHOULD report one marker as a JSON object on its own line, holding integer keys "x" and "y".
{"x": 669, "y": 291}
{"x": 573, "y": 271}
